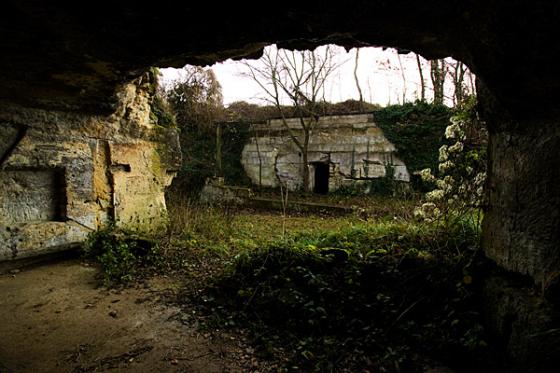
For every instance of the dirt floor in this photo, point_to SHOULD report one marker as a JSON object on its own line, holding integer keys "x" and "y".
{"x": 54, "y": 318}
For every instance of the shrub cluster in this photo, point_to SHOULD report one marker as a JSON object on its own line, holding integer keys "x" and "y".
{"x": 120, "y": 255}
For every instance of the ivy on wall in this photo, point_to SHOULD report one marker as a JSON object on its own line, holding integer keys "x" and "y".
{"x": 417, "y": 131}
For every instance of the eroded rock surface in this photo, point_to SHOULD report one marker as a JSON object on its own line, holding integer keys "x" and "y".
{"x": 71, "y": 173}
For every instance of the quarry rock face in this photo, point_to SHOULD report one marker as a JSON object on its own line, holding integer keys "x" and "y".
{"x": 352, "y": 146}
{"x": 64, "y": 175}
{"x": 66, "y": 108}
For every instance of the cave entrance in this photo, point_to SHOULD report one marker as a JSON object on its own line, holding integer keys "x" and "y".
{"x": 322, "y": 174}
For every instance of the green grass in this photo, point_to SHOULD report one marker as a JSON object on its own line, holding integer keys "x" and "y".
{"x": 335, "y": 293}
{"x": 228, "y": 231}
{"x": 347, "y": 294}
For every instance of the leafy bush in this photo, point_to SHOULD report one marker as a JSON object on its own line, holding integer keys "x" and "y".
{"x": 458, "y": 182}
{"x": 120, "y": 255}
{"x": 199, "y": 156}
{"x": 384, "y": 297}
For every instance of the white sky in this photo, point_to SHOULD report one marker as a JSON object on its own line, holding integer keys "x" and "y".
{"x": 379, "y": 73}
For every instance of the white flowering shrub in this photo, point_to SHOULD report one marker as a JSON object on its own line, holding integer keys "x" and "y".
{"x": 458, "y": 183}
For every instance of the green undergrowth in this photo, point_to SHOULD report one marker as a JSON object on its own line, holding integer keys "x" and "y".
{"x": 379, "y": 297}
{"x": 122, "y": 256}
{"x": 225, "y": 230}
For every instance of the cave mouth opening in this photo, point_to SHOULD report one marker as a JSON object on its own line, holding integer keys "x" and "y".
{"x": 360, "y": 81}
{"x": 90, "y": 50}
{"x": 340, "y": 159}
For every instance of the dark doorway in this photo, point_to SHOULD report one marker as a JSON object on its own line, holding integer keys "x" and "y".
{"x": 321, "y": 178}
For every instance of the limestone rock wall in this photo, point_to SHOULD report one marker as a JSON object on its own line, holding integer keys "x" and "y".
{"x": 353, "y": 146}
{"x": 63, "y": 175}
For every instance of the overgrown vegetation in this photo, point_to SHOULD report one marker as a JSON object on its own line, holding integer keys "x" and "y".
{"x": 376, "y": 291}
{"x": 457, "y": 185}
{"x": 417, "y": 130}
{"x": 336, "y": 294}
{"x": 384, "y": 296}
{"x": 211, "y": 144}
{"x": 388, "y": 294}
{"x": 121, "y": 255}
{"x": 161, "y": 113}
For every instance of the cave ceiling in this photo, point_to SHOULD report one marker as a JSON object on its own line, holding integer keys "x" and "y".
{"x": 74, "y": 56}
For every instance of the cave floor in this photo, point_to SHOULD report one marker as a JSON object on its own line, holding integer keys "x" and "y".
{"x": 56, "y": 319}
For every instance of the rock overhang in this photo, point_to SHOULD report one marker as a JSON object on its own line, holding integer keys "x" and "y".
{"x": 74, "y": 57}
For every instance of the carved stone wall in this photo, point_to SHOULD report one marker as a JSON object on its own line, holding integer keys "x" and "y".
{"x": 64, "y": 175}
{"x": 353, "y": 146}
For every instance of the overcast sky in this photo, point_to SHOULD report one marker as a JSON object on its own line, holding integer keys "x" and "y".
{"x": 379, "y": 72}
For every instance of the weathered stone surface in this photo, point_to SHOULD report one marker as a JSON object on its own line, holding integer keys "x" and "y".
{"x": 31, "y": 196}
{"x": 74, "y": 173}
{"x": 10, "y": 135}
{"x": 139, "y": 180}
{"x": 522, "y": 220}
{"x": 352, "y": 145}
{"x": 525, "y": 324}
{"x": 85, "y": 52}
{"x": 24, "y": 240}
{"x": 215, "y": 192}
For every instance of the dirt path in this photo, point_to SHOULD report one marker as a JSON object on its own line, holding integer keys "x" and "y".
{"x": 54, "y": 319}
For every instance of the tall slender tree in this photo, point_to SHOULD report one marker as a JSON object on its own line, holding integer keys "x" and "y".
{"x": 360, "y": 95}
{"x": 457, "y": 72}
{"x": 438, "y": 71}
{"x": 422, "y": 82}
{"x": 403, "y": 76}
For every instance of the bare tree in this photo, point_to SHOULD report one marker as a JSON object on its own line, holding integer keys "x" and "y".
{"x": 457, "y": 72}
{"x": 438, "y": 71}
{"x": 403, "y": 76}
{"x": 361, "y": 96}
{"x": 298, "y": 77}
{"x": 422, "y": 83}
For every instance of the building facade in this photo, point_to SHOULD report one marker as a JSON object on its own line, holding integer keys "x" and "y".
{"x": 344, "y": 151}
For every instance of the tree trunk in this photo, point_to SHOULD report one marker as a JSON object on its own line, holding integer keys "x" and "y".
{"x": 258, "y": 154}
{"x": 361, "y": 97}
{"x": 437, "y": 73}
{"x": 304, "y": 161}
{"x": 422, "y": 83}
{"x": 458, "y": 79}
{"x": 403, "y": 78}
{"x": 219, "y": 167}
